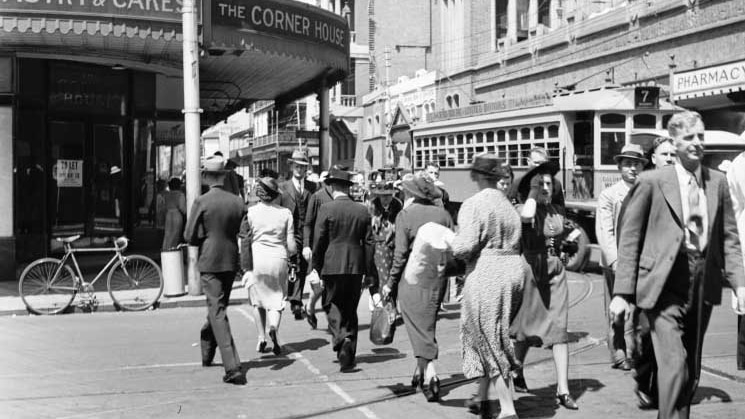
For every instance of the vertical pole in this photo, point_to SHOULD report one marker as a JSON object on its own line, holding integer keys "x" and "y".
{"x": 324, "y": 141}
{"x": 671, "y": 79}
{"x": 191, "y": 127}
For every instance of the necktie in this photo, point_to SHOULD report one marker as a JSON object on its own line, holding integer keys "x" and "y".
{"x": 695, "y": 216}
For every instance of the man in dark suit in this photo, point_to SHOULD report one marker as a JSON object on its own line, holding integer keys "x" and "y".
{"x": 341, "y": 256}
{"x": 296, "y": 193}
{"x": 678, "y": 242}
{"x": 213, "y": 225}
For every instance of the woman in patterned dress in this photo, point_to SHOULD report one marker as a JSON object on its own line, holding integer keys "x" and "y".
{"x": 267, "y": 243}
{"x": 385, "y": 208}
{"x": 543, "y": 316}
{"x": 488, "y": 240}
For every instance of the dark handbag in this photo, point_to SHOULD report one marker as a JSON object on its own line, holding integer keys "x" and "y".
{"x": 383, "y": 323}
{"x": 454, "y": 267}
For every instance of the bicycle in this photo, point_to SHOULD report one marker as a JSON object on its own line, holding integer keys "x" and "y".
{"x": 49, "y": 286}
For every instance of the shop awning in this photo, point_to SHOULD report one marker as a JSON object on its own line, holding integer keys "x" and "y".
{"x": 277, "y": 50}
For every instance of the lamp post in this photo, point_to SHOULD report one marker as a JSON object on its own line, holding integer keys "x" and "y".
{"x": 191, "y": 127}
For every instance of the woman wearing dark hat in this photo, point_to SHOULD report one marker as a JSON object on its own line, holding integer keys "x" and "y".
{"x": 267, "y": 244}
{"x": 488, "y": 240}
{"x": 421, "y": 300}
{"x": 542, "y": 319}
{"x": 174, "y": 202}
{"x": 385, "y": 209}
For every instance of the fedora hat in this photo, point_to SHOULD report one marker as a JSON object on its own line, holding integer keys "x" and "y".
{"x": 547, "y": 168}
{"x": 299, "y": 157}
{"x": 633, "y": 152}
{"x": 383, "y": 188}
{"x": 421, "y": 187}
{"x": 214, "y": 164}
{"x": 339, "y": 176}
{"x": 114, "y": 170}
{"x": 489, "y": 164}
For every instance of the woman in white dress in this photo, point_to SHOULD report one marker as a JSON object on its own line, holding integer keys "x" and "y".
{"x": 267, "y": 243}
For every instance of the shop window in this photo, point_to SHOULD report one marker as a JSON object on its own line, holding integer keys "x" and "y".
{"x": 538, "y": 133}
{"x": 644, "y": 121}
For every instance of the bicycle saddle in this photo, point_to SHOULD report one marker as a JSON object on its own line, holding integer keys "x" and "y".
{"x": 68, "y": 239}
{"x": 121, "y": 242}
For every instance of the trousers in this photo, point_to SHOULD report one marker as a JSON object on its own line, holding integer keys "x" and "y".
{"x": 678, "y": 323}
{"x": 621, "y": 340}
{"x": 341, "y": 295}
{"x": 295, "y": 289}
{"x": 216, "y": 331}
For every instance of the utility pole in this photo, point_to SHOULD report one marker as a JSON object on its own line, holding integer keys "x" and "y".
{"x": 191, "y": 127}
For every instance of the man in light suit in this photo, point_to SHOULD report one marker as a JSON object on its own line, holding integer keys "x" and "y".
{"x": 296, "y": 193}
{"x": 678, "y": 242}
{"x": 213, "y": 225}
{"x": 736, "y": 180}
{"x": 341, "y": 254}
{"x": 630, "y": 162}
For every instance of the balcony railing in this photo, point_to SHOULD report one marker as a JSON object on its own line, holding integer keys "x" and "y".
{"x": 347, "y": 100}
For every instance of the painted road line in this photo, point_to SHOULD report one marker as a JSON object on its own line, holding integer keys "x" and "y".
{"x": 294, "y": 354}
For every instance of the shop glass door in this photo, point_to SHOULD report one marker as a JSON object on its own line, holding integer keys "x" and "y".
{"x": 108, "y": 200}
{"x": 67, "y": 200}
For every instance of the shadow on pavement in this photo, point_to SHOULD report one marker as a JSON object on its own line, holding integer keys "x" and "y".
{"x": 541, "y": 401}
{"x": 273, "y": 363}
{"x": 708, "y": 393}
{"x": 309, "y": 345}
{"x": 380, "y": 355}
{"x": 575, "y": 337}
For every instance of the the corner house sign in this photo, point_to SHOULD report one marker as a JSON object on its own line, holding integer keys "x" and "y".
{"x": 709, "y": 81}
{"x": 491, "y": 107}
{"x": 283, "y": 18}
{"x": 161, "y": 10}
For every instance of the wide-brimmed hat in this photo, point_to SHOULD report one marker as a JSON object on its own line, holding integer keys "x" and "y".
{"x": 214, "y": 164}
{"x": 271, "y": 184}
{"x": 633, "y": 152}
{"x": 299, "y": 157}
{"x": 382, "y": 188}
{"x": 421, "y": 187}
{"x": 547, "y": 168}
{"x": 114, "y": 170}
{"x": 339, "y": 176}
{"x": 490, "y": 165}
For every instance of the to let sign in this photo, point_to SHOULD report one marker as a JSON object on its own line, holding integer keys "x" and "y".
{"x": 647, "y": 97}
{"x": 69, "y": 173}
{"x": 283, "y": 18}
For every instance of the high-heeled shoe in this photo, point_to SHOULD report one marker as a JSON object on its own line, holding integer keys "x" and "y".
{"x": 276, "y": 349}
{"x": 432, "y": 392}
{"x": 567, "y": 401}
{"x": 473, "y": 405}
{"x": 261, "y": 346}
{"x": 417, "y": 380}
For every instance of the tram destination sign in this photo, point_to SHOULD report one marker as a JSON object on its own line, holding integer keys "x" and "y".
{"x": 492, "y": 107}
{"x": 158, "y": 10}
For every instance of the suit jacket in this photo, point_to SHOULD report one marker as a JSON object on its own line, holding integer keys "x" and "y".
{"x": 297, "y": 205}
{"x": 606, "y": 220}
{"x": 213, "y": 225}
{"x": 342, "y": 239}
{"x": 320, "y": 197}
{"x": 652, "y": 237}
{"x": 736, "y": 179}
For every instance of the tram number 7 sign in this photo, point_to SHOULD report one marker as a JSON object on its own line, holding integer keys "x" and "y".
{"x": 647, "y": 97}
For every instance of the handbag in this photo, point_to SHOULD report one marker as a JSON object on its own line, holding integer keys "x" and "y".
{"x": 383, "y": 323}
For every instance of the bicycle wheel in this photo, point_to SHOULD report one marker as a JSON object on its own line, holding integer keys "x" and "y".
{"x": 135, "y": 285}
{"x": 42, "y": 291}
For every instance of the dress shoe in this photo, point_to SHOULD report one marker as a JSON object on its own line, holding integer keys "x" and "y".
{"x": 646, "y": 401}
{"x": 432, "y": 392}
{"x": 276, "y": 349}
{"x": 234, "y": 377}
{"x": 623, "y": 364}
{"x": 312, "y": 319}
{"x": 206, "y": 362}
{"x": 567, "y": 401}
{"x": 297, "y": 311}
{"x": 346, "y": 357}
{"x": 261, "y": 346}
{"x": 417, "y": 380}
{"x": 519, "y": 382}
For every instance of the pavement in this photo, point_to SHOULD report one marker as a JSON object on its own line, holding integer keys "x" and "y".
{"x": 120, "y": 364}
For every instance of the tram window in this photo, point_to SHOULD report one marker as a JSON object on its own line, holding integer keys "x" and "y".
{"x": 525, "y": 133}
{"x": 451, "y": 140}
{"x": 461, "y": 156}
{"x": 553, "y": 150}
{"x": 442, "y": 141}
{"x": 513, "y": 135}
{"x": 502, "y": 152}
{"x": 613, "y": 120}
{"x": 469, "y": 138}
{"x": 500, "y": 136}
{"x": 514, "y": 156}
{"x": 460, "y": 139}
{"x": 469, "y": 156}
{"x": 611, "y": 144}
{"x": 490, "y": 149}
{"x": 644, "y": 121}
{"x": 538, "y": 133}
{"x": 419, "y": 159}
{"x": 665, "y": 120}
{"x": 490, "y": 137}
{"x": 553, "y": 131}
{"x": 525, "y": 152}
{"x": 418, "y": 142}
{"x": 479, "y": 150}
{"x": 479, "y": 137}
